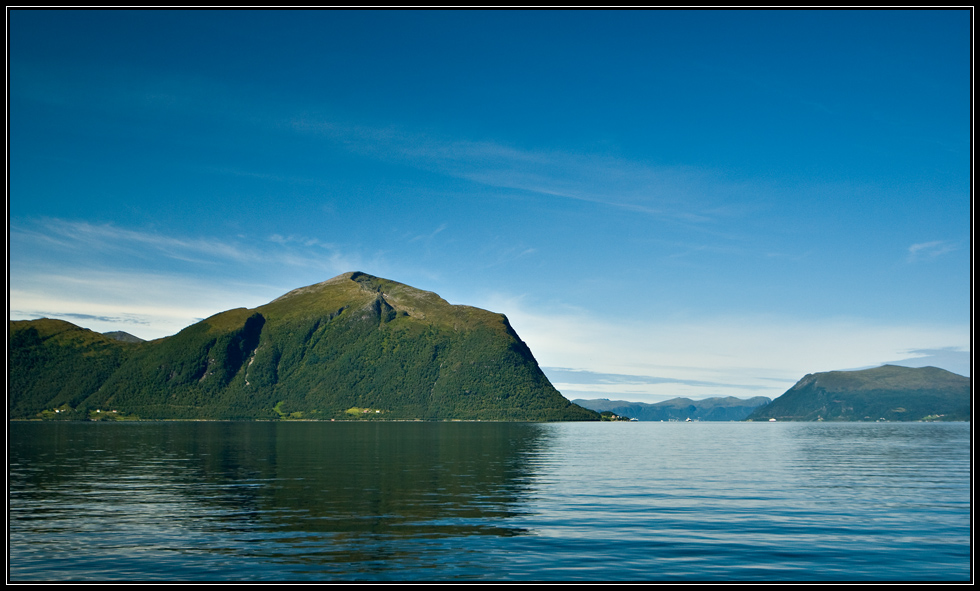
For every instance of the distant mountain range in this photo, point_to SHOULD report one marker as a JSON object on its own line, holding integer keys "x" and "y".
{"x": 889, "y": 392}
{"x": 680, "y": 409}
{"x": 353, "y": 347}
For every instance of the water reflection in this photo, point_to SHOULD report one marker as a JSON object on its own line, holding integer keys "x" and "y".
{"x": 310, "y": 493}
{"x": 497, "y": 501}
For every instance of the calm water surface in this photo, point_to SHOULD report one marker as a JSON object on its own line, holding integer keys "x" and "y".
{"x": 489, "y": 501}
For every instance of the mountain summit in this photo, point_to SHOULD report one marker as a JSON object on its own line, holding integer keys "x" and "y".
{"x": 355, "y": 346}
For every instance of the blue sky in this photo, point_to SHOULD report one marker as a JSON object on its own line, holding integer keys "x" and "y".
{"x": 663, "y": 203}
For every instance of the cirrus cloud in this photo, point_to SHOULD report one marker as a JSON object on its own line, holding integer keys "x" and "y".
{"x": 930, "y": 250}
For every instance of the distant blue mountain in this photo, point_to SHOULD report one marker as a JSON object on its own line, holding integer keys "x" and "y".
{"x": 680, "y": 409}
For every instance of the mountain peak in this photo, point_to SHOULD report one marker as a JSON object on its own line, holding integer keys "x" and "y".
{"x": 353, "y": 342}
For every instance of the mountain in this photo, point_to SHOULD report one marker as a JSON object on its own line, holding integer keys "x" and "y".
{"x": 680, "y": 409}
{"x": 888, "y": 392}
{"x": 123, "y": 336}
{"x": 355, "y": 346}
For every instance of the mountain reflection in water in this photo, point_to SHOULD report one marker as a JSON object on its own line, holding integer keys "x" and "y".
{"x": 312, "y": 491}
{"x": 382, "y": 501}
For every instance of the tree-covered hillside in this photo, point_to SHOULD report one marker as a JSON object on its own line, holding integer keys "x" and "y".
{"x": 355, "y": 346}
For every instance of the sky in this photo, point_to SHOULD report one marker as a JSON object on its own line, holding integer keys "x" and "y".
{"x": 663, "y": 203}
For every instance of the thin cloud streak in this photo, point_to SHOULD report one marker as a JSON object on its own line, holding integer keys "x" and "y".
{"x": 148, "y": 305}
{"x": 589, "y": 384}
{"x": 685, "y": 195}
{"x": 930, "y": 250}
{"x": 719, "y": 356}
{"x": 67, "y": 269}
{"x": 105, "y": 237}
{"x": 694, "y": 198}
{"x": 84, "y": 237}
{"x": 430, "y": 236}
{"x": 584, "y": 377}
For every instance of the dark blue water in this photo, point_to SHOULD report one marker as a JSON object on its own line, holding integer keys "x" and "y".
{"x": 489, "y": 501}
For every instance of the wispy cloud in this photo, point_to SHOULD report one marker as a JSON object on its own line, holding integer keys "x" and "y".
{"x": 930, "y": 250}
{"x": 88, "y": 239}
{"x": 149, "y": 305}
{"x": 954, "y": 359}
{"x": 86, "y": 318}
{"x": 581, "y": 376}
{"x": 692, "y": 196}
{"x": 151, "y": 283}
{"x": 655, "y": 359}
{"x": 585, "y": 379}
{"x": 497, "y": 255}
{"x": 680, "y": 194}
{"x": 430, "y": 235}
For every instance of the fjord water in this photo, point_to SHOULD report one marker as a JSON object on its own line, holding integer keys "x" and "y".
{"x": 489, "y": 501}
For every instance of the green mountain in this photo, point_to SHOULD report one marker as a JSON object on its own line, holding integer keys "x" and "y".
{"x": 352, "y": 347}
{"x": 726, "y": 408}
{"x": 888, "y": 392}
